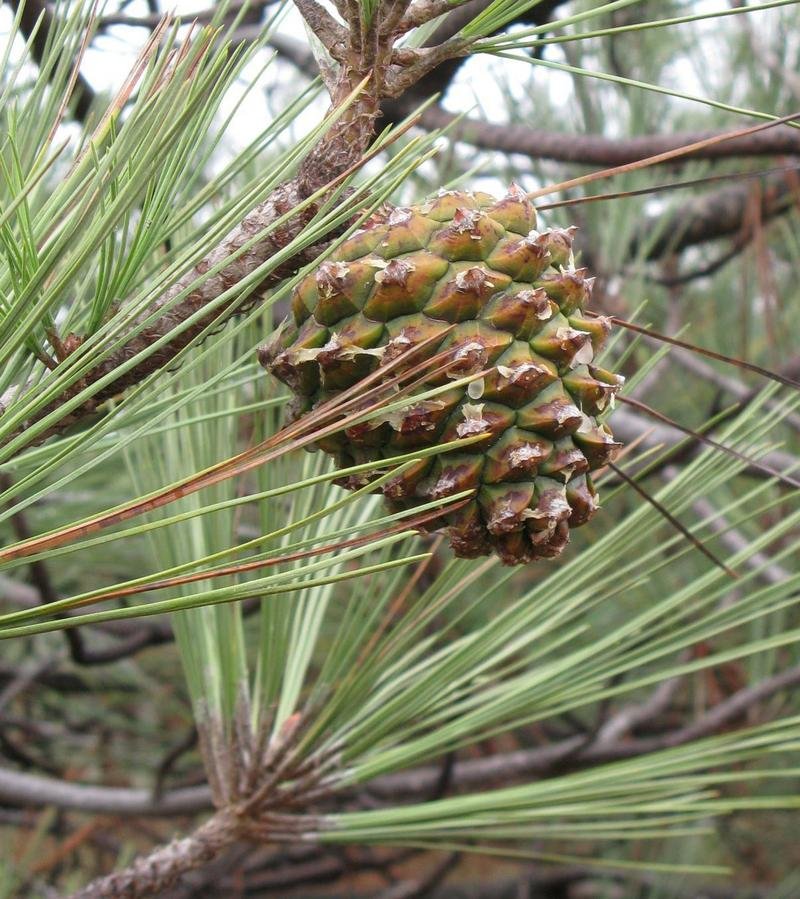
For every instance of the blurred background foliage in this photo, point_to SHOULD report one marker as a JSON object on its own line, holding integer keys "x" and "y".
{"x": 420, "y": 680}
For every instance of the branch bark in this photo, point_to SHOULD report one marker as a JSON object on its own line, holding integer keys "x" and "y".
{"x": 35, "y": 791}
{"x": 32, "y": 11}
{"x": 337, "y": 151}
{"x": 162, "y": 868}
{"x": 721, "y": 213}
{"x": 594, "y": 149}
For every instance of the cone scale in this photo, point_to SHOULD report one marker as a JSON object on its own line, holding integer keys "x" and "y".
{"x": 471, "y": 277}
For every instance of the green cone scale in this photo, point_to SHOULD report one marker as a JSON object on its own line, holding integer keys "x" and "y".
{"x": 469, "y": 276}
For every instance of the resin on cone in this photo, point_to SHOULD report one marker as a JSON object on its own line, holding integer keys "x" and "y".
{"x": 470, "y": 276}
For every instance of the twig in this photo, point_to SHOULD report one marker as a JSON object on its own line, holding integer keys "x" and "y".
{"x": 594, "y": 149}
{"x": 203, "y": 16}
{"x": 424, "y": 886}
{"x": 32, "y": 10}
{"x": 25, "y": 677}
{"x": 768, "y": 570}
{"x": 162, "y": 868}
{"x": 28, "y": 790}
{"x": 188, "y": 742}
{"x": 629, "y": 718}
{"x": 630, "y": 426}
{"x": 730, "y": 385}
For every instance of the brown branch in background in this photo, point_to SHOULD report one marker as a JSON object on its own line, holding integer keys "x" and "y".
{"x": 698, "y": 435}
{"x": 718, "y": 214}
{"x": 630, "y": 426}
{"x": 423, "y": 886}
{"x": 35, "y": 791}
{"x": 338, "y": 152}
{"x": 768, "y": 571}
{"x": 254, "y": 9}
{"x": 31, "y": 12}
{"x": 668, "y": 516}
{"x": 735, "y": 387}
{"x": 711, "y": 217}
{"x": 60, "y": 681}
{"x": 161, "y": 868}
{"x": 703, "y": 271}
{"x": 596, "y": 150}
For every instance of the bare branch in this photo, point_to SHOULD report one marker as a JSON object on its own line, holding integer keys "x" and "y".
{"x": 34, "y": 791}
{"x": 633, "y": 716}
{"x": 334, "y": 37}
{"x": 203, "y": 16}
{"x": 420, "y": 12}
{"x": 718, "y": 214}
{"x": 32, "y": 11}
{"x": 768, "y": 570}
{"x": 594, "y": 149}
{"x": 161, "y": 869}
{"x": 28, "y": 790}
{"x": 630, "y": 427}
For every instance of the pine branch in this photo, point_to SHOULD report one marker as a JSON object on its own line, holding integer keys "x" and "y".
{"x": 165, "y": 865}
{"x": 594, "y": 149}
{"x": 721, "y": 213}
{"x": 338, "y": 152}
{"x": 35, "y": 791}
{"x": 33, "y": 12}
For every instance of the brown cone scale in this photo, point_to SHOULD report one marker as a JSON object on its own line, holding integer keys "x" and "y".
{"x": 469, "y": 276}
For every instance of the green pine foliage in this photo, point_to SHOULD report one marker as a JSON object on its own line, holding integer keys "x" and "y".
{"x": 309, "y": 616}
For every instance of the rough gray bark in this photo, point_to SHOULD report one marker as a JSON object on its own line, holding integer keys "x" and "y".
{"x": 163, "y": 867}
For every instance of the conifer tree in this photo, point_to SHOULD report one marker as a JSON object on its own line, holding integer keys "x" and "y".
{"x": 223, "y": 674}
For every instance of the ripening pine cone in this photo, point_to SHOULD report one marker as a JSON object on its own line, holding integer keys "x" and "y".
{"x": 502, "y": 296}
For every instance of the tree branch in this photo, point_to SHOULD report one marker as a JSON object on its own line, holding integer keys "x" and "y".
{"x": 34, "y": 791}
{"x": 630, "y": 426}
{"x": 32, "y": 10}
{"x": 203, "y": 16}
{"x": 162, "y": 867}
{"x": 505, "y": 767}
{"x": 596, "y": 150}
{"x": 718, "y": 214}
